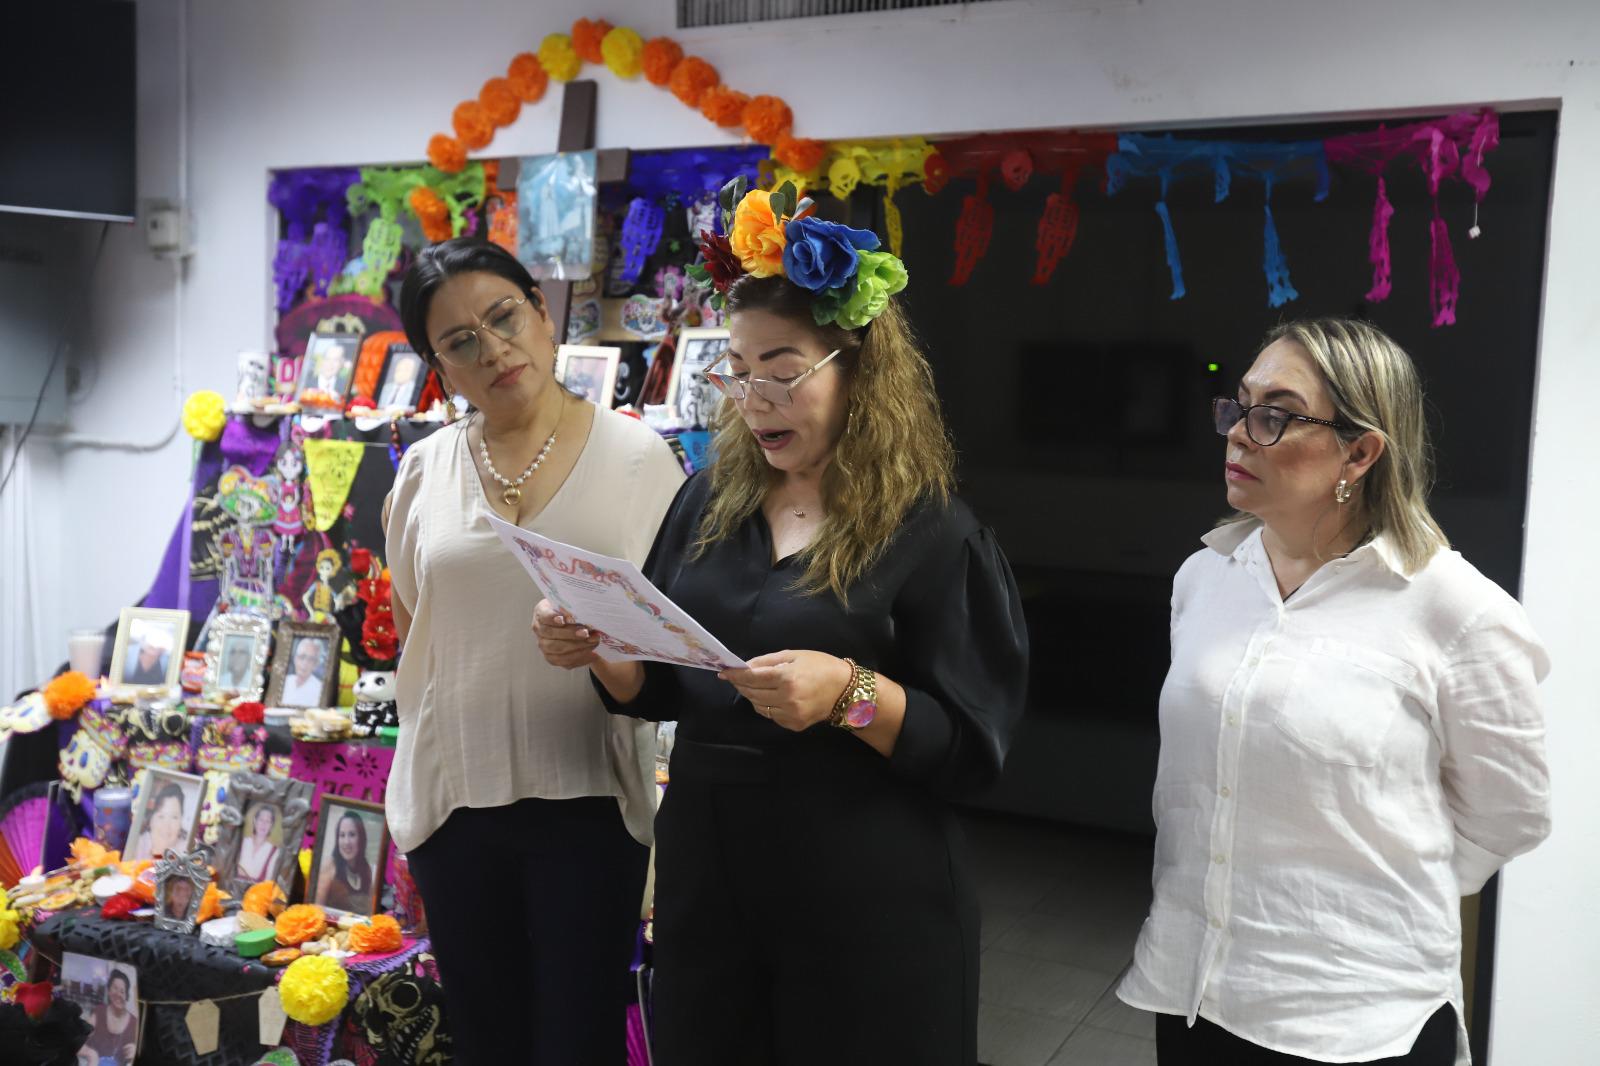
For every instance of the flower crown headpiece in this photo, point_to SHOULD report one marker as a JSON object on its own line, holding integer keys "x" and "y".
{"x": 773, "y": 234}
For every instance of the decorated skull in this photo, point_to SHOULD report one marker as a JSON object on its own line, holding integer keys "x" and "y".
{"x": 84, "y": 763}
{"x": 402, "y": 1016}
{"x": 843, "y": 177}
{"x": 27, "y": 715}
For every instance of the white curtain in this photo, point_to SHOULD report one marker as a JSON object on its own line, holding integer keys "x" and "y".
{"x": 22, "y": 652}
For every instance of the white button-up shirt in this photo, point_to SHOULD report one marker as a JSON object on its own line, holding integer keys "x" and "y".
{"x": 1336, "y": 772}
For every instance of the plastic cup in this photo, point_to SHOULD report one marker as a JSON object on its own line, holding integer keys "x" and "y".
{"x": 85, "y": 647}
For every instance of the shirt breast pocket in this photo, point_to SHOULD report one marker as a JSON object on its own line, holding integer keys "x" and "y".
{"x": 1343, "y": 700}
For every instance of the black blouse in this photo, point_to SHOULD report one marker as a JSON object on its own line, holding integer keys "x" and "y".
{"x": 938, "y": 613}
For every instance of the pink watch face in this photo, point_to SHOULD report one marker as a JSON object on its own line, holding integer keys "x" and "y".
{"x": 859, "y": 714}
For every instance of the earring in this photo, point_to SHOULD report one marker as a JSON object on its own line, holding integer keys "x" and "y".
{"x": 450, "y": 414}
{"x": 1343, "y": 491}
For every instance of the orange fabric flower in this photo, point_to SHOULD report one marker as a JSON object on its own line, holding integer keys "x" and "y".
{"x": 661, "y": 57}
{"x": 766, "y": 118}
{"x": 757, "y": 238}
{"x": 379, "y": 935}
{"x": 798, "y": 153}
{"x": 210, "y": 904}
{"x": 691, "y": 78}
{"x": 723, "y": 105}
{"x": 528, "y": 79}
{"x": 500, "y": 102}
{"x": 259, "y": 897}
{"x": 66, "y": 695}
{"x": 446, "y": 153}
{"x": 586, "y": 38}
{"x": 472, "y": 126}
{"x": 431, "y": 212}
{"x": 302, "y": 922}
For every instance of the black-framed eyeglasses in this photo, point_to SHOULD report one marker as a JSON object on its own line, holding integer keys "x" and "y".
{"x": 1263, "y": 423}
{"x": 777, "y": 393}
{"x": 506, "y": 319}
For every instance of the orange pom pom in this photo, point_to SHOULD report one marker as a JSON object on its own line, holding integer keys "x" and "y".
{"x": 691, "y": 79}
{"x": 379, "y": 935}
{"x": 766, "y": 118}
{"x": 472, "y": 126}
{"x": 66, "y": 695}
{"x": 798, "y": 153}
{"x": 500, "y": 102}
{"x": 259, "y": 897}
{"x": 528, "y": 79}
{"x": 446, "y": 153}
{"x": 661, "y": 57}
{"x": 723, "y": 105}
{"x": 302, "y": 922}
{"x": 431, "y": 211}
{"x": 586, "y": 38}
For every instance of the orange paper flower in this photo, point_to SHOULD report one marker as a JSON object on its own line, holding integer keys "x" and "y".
{"x": 302, "y": 922}
{"x": 472, "y": 126}
{"x": 431, "y": 212}
{"x": 723, "y": 105}
{"x": 757, "y": 238}
{"x": 446, "y": 153}
{"x": 500, "y": 102}
{"x": 144, "y": 881}
{"x": 90, "y": 854}
{"x": 66, "y": 695}
{"x": 586, "y": 38}
{"x": 691, "y": 78}
{"x": 661, "y": 57}
{"x": 798, "y": 153}
{"x": 259, "y": 897}
{"x": 528, "y": 79}
{"x": 210, "y": 904}
{"x": 766, "y": 118}
{"x": 377, "y": 936}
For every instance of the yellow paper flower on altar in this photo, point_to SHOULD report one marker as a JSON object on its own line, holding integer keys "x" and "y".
{"x": 623, "y": 50}
{"x": 204, "y": 414}
{"x": 558, "y": 58}
{"x": 9, "y": 933}
{"x": 757, "y": 238}
{"x": 314, "y": 989}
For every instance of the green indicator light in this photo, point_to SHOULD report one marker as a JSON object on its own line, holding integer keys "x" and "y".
{"x": 1213, "y": 367}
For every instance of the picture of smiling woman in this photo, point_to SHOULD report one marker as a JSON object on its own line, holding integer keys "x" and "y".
{"x": 352, "y": 844}
{"x": 165, "y": 814}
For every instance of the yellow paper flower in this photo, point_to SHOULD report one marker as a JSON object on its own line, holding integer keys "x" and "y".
{"x": 9, "y": 933}
{"x": 623, "y": 50}
{"x": 305, "y": 864}
{"x": 314, "y": 989}
{"x": 558, "y": 58}
{"x": 757, "y": 238}
{"x": 204, "y": 414}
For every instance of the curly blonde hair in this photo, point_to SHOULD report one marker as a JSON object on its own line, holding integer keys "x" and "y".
{"x": 894, "y": 454}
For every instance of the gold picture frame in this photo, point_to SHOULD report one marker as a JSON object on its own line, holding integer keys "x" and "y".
{"x": 143, "y": 630}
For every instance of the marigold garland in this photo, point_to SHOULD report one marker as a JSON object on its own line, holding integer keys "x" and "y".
{"x": 431, "y": 212}
{"x": 621, "y": 49}
{"x": 558, "y": 58}
{"x": 766, "y": 118}
{"x": 691, "y": 78}
{"x": 660, "y": 58}
{"x": 586, "y": 37}
{"x": 500, "y": 102}
{"x": 528, "y": 79}
{"x": 472, "y": 126}
{"x": 446, "y": 153}
{"x": 66, "y": 695}
{"x": 723, "y": 105}
{"x": 314, "y": 989}
{"x": 799, "y": 154}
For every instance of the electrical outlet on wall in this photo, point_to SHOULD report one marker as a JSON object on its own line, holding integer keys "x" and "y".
{"x": 165, "y": 228}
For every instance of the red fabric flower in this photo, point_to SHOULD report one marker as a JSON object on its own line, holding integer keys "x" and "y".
{"x": 719, "y": 260}
{"x": 124, "y": 904}
{"x": 34, "y": 997}
{"x": 360, "y": 561}
{"x": 386, "y": 646}
{"x": 250, "y": 713}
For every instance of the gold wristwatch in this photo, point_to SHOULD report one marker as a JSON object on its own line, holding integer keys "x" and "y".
{"x": 858, "y": 704}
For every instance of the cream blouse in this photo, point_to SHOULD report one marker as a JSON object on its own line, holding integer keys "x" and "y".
{"x": 484, "y": 720}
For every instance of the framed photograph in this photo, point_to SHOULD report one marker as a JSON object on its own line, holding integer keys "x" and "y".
{"x": 325, "y": 372}
{"x": 349, "y": 858}
{"x": 181, "y": 882}
{"x": 149, "y": 648}
{"x": 166, "y": 810}
{"x": 259, "y": 831}
{"x": 590, "y": 372}
{"x": 403, "y": 377}
{"x": 305, "y": 667}
{"x": 688, "y": 390}
{"x": 237, "y": 648}
{"x": 108, "y": 993}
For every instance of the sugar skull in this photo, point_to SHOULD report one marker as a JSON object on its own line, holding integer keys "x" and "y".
{"x": 84, "y": 763}
{"x": 843, "y": 177}
{"x": 27, "y": 715}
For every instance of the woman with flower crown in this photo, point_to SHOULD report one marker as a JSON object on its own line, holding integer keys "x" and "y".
{"x": 813, "y": 902}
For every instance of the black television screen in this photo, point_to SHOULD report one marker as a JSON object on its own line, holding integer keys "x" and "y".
{"x": 67, "y": 124}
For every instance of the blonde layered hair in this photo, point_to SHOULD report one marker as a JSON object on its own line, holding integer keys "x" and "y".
{"x": 895, "y": 451}
{"x": 1375, "y": 388}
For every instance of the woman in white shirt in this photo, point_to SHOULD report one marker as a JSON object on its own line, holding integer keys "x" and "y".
{"x": 510, "y": 782}
{"x": 1350, "y": 735}
{"x": 258, "y": 855}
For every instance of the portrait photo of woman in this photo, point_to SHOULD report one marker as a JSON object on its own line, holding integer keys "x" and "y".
{"x": 164, "y": 814}
{"x": 351, "y": 845}
{"x": 109, "y": 1005}
{"x": 258, "y": 852}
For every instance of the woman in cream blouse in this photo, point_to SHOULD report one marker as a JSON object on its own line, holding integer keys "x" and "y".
{"x": 510, "y": 781}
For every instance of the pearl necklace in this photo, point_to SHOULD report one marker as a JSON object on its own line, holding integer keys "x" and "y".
{"x": 513, "y": 489}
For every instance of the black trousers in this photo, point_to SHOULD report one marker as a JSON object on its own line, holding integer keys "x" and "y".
{"x": 810, "y": 909}
{"x": 533, "y": 910}
{"x": 1211, "y": 1045}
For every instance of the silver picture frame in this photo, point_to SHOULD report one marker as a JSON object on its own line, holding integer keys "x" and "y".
{"x": 689, "y": 391}
{"x": 172, "y": 869}
{"x": 246, "y": 794}
{"x": 225, "y": 633}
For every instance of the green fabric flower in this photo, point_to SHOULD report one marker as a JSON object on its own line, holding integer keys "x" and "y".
{"x": 879, "y": 276}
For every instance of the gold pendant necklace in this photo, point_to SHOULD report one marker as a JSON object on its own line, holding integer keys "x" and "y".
{"x": 512, "y": 494}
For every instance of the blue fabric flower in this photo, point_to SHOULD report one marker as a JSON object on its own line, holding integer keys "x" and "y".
{"x": 822, "y": 255}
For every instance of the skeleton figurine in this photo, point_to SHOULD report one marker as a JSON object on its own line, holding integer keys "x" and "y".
{"x": 375, "y": 706}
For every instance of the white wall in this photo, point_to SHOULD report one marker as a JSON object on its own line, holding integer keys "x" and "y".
{"x": 298, "y": 82}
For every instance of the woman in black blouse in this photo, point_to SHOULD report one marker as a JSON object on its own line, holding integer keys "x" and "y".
{"x": 813, "y": 902}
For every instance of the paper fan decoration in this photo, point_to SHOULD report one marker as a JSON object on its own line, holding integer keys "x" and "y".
{"x": 23, "y": 815}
